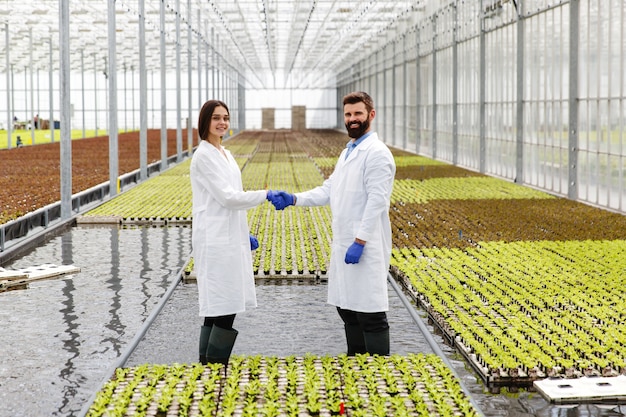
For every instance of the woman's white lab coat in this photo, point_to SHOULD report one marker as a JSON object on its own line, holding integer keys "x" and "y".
{"x": 220, "y": 233}
{"x": 359, "y": 194}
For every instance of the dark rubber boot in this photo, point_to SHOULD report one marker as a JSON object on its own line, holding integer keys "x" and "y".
{"x": 221, "y": 343}
{"x": 377, "y": 343}
{"x": 355, "y": 339}
{"x": 205, "y": 333}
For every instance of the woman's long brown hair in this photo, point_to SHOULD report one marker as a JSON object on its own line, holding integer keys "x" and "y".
{"x": 204, "y": 118}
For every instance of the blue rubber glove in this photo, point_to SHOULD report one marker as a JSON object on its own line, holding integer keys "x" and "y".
{"x": 288, "y": 199}
{"x": 254, "y": 243}
{"x": 271, "y": 195}
{"x": 280, "y": 199}
{"x": 354, "y": 253}
{"x": 274, "y": 198}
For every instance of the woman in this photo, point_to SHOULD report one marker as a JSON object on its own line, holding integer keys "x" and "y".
{"x": 220, "y": 236}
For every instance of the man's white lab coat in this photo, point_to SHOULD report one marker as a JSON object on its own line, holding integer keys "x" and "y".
{"x": 359, "y": 194}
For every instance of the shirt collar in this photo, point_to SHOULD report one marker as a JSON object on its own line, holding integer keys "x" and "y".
{"x": 359, "y": 140}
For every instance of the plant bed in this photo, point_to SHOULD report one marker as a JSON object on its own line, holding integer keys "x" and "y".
{"x": 413, "y": 385}
{"x": 522, "y": 311}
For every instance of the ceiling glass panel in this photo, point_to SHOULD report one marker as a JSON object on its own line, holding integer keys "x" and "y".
{"x": 272, "y": 43}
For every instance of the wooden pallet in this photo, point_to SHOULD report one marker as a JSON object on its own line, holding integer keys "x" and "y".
{"x": 18, "y": 279}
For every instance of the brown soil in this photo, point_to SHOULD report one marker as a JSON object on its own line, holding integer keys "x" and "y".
{"x": 31, "y": 175}
{"x": 463, "y": 223}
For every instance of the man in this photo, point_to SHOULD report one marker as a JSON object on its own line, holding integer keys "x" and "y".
{"x": 359, "y": 194}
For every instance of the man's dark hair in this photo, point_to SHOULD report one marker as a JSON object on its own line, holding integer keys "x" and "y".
{"x": 358, "y": 97}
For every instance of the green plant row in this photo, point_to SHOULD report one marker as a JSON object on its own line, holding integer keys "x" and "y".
{"x": 403, "y": 160}
{"x": 413, "y": 191}
{"x": 413, "y": 385}
{"x": 164, "y": 197}
{"x": 292, "y": 241}
{"x": 180, "y": 170}
{"x": 528, "y": 308}
{"x": 295, "y": 241}
{"x": 43, "y": 136}
{"x": 243, "y": 145}
{"x": 255, "y": 175}
{"x": 327, "y": 162}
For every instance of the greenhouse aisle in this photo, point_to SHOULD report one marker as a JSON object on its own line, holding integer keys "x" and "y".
{"x": 289, "y": 320}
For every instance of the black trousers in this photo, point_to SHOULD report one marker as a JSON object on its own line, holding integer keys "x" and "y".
{"x": 369, "y": 322}
{"x": 224, "y": 322}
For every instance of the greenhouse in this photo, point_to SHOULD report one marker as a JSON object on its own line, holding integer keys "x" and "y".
{"x": 505, "y": 120}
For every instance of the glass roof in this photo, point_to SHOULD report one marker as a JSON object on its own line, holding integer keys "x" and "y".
{"x": 272, "y": 43}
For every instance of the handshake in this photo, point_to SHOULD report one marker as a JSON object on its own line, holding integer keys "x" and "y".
{"x": 280, "y": 199}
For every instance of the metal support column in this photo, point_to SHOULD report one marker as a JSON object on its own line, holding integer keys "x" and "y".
{"x": 179, "y": 130}
{"x": 418, "y": 94}
{"x": 394, "y": 113}
{"x": 37, "y": 105}
{"x": 125, "y": 100}
{"x": 7, "y": 42}
{"x": 241, "y": 98}
{"x": 143, "y": 95}
{"x": 405, "y": 96}
{"x": 214, "y": 94}
{"x": 163, "y": 92}
{"x": 32, "y": 88}
{"x": 481, "y": 97}
{"x": 133, "y": 125}
{"x": 113, "y": 125}
{"x": 64, "y": 90}
{"x": 82, "y": 89}
{"x": 199, "y": 48}
{"x": 95, "y": 91}
{"x": 51, "y": 96}
{"x": 379, "y": 58}
{"x": 434, "y": 90}
{"x": 455, "y": 87}
{"x": 206, "y": 67}
{"x": 189, "y": 89}
{"x": 574, "y": 27}
{"x": 521, "y": 40}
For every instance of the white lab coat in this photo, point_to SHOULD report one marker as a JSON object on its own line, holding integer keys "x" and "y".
{"x": 359, "y": 194}
{"x": 220, "y": 233}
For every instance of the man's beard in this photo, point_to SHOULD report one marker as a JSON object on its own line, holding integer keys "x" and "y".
{"x": 357, "y": 132}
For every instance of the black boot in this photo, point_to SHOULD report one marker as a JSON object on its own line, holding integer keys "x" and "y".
{"x": 221, "y": 344}
{"x": 377, "y": 343}
{"x": 205, "y": 333}
{"x": 355, "y": 339}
